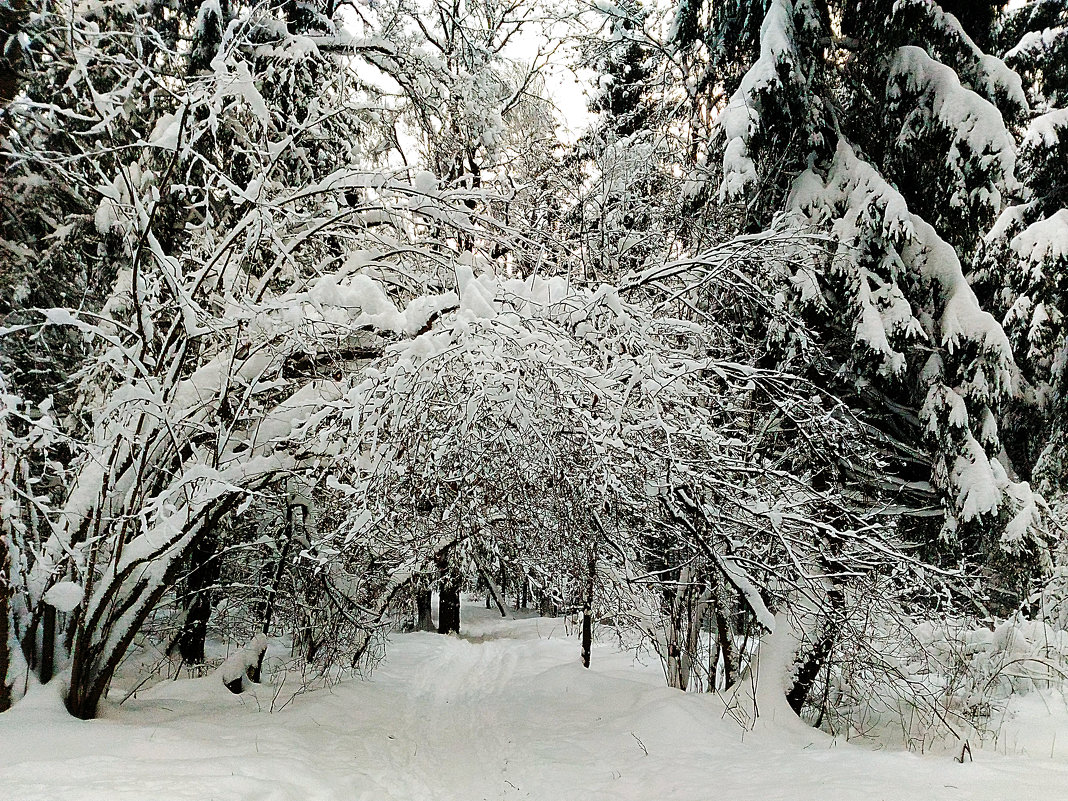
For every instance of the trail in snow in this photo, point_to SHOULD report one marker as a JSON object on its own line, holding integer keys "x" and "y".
{"x": 506, "y": 712}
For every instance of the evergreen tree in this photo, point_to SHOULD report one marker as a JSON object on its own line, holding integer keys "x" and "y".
{"x": 1024, "y": 264}
{"x": 896, "y": 140}
{"x": 1034, "y": 37}
{"x": 624, "y": 71}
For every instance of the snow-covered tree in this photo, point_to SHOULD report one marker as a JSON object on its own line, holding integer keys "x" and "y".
{"x": 897, "y": 141}
{"x": 186, "y": 203}
{"x": 1025, "y": 253}
{"x": 1034, "y": 37}
{"x": 326, "y": 314}
{"x": 622, "y": 61}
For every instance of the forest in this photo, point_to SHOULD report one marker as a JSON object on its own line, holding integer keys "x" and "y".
{"x": 703, "y": 328}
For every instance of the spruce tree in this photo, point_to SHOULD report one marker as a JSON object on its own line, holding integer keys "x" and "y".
{"x": 1024, "y": 259}
{"x": 894, "y": 135}
{"x": 624, "y": 71}
{"x": 1034, "y": 38}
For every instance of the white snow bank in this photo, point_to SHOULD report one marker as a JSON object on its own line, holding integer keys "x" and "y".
{"x": 504, "y": 712}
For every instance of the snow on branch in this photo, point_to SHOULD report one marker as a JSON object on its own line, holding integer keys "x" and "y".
{"x": 741, "y": 119}
{"x": 933, "y": 94}
{"x": 861, "y": 209}
{"x": 948, "y": 42}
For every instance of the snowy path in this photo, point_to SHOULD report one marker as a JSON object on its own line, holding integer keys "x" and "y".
{"x": 505, "y": 714}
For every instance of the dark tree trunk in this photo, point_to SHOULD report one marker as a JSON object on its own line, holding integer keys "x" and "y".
{"x": 449, "y": 606}
{"x": 199, "y": 583}
{"x": 5, "y": 620}
{"x": 587, "y": 613}
{"x": 448, "y": 595}
{"x": 587, "y": 635}
{"x": 296, "y": 520}
{"x": 48, "y": 644}
{"x": 806, "y": 675}
{"x": 546, "y": 607}
{"x": 725, "y": 647}
{"x": 424, "y": 618}
{"x": 195, "y": 630}
{"x": 819, "y": 657}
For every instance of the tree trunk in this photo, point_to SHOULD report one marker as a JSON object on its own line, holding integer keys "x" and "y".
{"x": 106, "y": 631}
{"x": 676, "y": 630}
{"x": 449, "y": 606}
{"x": 587, "y": 635}
{"x": 587, "y": 613}
{"x": 546, "y": 607}
{"x": 424, "y": 618}
{"x": 493, "y": 592}
{"x": 820, "y": 655}
{"x": 696, "y": 613}
{"x": 725, "y": 647}
{"x": 806, "y": 675}
{"x": 48, "y": 644}
{"x": 5, "y": 622}
{"x": 296, "y": 520}
{"x": 448, "y": 595}
{"x": 202, "y": 577}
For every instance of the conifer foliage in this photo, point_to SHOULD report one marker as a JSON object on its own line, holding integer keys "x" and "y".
{"x": 888, "y": 126}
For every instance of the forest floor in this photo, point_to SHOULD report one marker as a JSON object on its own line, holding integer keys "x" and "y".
{"x": 503, "y": 712}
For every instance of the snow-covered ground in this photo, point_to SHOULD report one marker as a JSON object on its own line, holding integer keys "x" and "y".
{"x": 505, "y": 712}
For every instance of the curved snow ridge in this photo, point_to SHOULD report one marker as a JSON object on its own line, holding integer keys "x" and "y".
{"x": 1045, "y": 130}
{"x": 989, "y": 74}
{"x": 1034, "y": 43}
{"x": 1044, "y": 241}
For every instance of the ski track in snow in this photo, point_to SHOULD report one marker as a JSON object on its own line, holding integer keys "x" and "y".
{"x": 503, "y": 713}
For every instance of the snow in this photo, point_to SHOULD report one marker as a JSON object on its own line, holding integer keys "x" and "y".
{"x": 503, "y": 712}
{"x": 242, "y": 84}
{"x": 741, "y": 117}
{"x": 166, "y": 132}
{"x": 362, "y": 293}
{"x": 64, "y": 596}
{"x": 990, "y": 75}
{"x": 996, "y": 76}
{"x": 981, "y": 486}
{"x": 736, "y": 576}
{"x": 972, "y": 119}
{"x": 844, "y": 201}
{"x": 1045, "y": 130}
{"x": 106, "y": 216}
{"x": 476, "y": 294}
{"x": 1045, "y": 241}
{"x": 1034, "y": 43}
{"x": 234, "y": 667}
